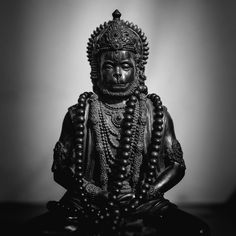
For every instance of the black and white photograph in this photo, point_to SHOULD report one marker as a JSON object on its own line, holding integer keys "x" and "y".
{"x": 118, "y": 117}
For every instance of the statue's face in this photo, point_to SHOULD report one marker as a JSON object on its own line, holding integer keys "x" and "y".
{"x": 117, "y": 72}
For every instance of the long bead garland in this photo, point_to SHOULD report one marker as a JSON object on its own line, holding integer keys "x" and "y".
{"x": 113, "y": 211}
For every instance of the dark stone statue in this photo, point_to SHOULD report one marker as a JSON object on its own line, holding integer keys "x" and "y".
{"x": 117, "y": 153}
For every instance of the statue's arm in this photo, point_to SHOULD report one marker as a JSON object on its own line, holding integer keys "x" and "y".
{"x": 63, "y": 167}
{"x": 175, "y": 166}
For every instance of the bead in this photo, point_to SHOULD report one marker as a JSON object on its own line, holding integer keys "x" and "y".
{"x": 80, "y": 181}
{"x": 75, "y": 210}
{"x": 127, "y": 140}
{"x": 79, "y": 161}
{"x": 80, "y": 119}
{"x": 85, "y": 200}
{"x": 126, "y": 209}
{"x": 81, "y": 188}
{"x": 123, "y": 162}
{"x": 80, "y": 174}
{"x": 80, "y": 111}
{"x": 143, "y": 191}
{"x": 116, "y": 191}
{"x": 156, "y": 98}
{"x": 154, "y": 154}
{"x": 81, "y": 105}
{"x": 82, "y": 99}
{"x": 133, "y": 98}
{"x": 159, "y": 114}
{"x": 119, "y": 184}
{"x": 115, "y": 222}
{"x": 152, "y": 167}
{"x": 132, "y": 207}
{"x": 151, "y": 173}
{"x": 79, "y": 154}
{"x": 127, "y": 124}
{"x": 79, "y": 168}
{"x": 155, "y": 147}
{"x": 84, "y": 94}
{"x": 145, "y": 89}
{"x": 117, "y": 217}
{"x": 120, "y": 176}
{"x": 136, "y": 93}
{"x": 153, "y": 161}
{"x": 130, "y": 104}
{"x": 125, "y": 155}
{"x": 130, "y": 111}
{"x": 92, "y": 210}
{"x": 80, "y": 126}
{"x": 146, "y": 186}
{"x": 79, "y": 147}
{"x": 159, "y": 128}
{"x": 151, "y": 96}
{"x": 96, "y": 221}
{"x": 128, "y": 133}
{"x": 111, "y": 204}
{"x": 79, "y": 133}
{"x": 140, "y": 197}
{"x": 141, "y": 88}
{"x": 80, "y": 140}
{"x": 156, "y": 141}
{"x": 126, "y": 147}
{"x": 87, "y": 205}
{"x": 113, "y": 197}
{"x": 116, "y": 212}
{"x": 122, "y": 169}
{"x": 157, "y": 134}
{"x": 128, "y": 117}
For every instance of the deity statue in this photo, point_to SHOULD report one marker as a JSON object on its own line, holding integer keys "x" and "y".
{"x": 118, "y": 153}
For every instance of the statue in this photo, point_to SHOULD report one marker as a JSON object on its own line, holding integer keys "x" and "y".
{"x": 117, "y": 153}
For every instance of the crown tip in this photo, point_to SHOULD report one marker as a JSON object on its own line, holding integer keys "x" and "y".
{"x": 116, "y": 15}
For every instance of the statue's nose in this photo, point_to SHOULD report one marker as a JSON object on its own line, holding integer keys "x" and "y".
{"x": 117, "y": 74}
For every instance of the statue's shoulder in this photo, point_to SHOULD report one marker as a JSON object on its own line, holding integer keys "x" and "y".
{"x": 151, "y": 107}
{"x": 72, "y": 111}
{"x": 76, "y": 109}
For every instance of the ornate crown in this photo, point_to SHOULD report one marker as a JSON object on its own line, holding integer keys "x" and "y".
{"x": 117, "y": 35}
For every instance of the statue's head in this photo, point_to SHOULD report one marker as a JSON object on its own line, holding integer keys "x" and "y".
{"x": 117, "y": 52}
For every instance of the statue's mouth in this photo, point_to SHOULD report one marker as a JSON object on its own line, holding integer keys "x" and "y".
{"x": 119, "y": 86}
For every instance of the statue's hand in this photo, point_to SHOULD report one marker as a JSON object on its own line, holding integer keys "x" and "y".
{"x": 152, "y": 207}
{"x": 126, "y": 198}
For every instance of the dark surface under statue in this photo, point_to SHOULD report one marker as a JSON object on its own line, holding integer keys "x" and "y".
{"x": 117, "y": 153}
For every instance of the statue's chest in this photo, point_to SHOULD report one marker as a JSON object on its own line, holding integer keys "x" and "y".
{"x": 111, "y": 120}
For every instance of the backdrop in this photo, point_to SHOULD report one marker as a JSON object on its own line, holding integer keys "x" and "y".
{"x": 44, "y": 68}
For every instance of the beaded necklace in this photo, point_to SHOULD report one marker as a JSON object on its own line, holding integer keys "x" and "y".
{"x": 112, "y": 212}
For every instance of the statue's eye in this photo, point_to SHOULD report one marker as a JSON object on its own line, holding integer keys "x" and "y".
{"x": 107, "y": 66}
{"x": 126, "y": 66}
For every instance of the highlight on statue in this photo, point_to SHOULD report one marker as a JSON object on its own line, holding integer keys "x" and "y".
{"x": 117, "y": 154}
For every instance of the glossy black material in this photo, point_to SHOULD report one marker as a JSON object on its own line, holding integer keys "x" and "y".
{"x": 118, "y": 153}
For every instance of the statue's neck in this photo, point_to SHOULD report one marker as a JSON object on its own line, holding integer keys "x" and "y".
{"x": 113, "y": 101}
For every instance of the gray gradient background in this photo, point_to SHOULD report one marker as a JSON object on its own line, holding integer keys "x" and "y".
{"x": 44, "y": 68}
